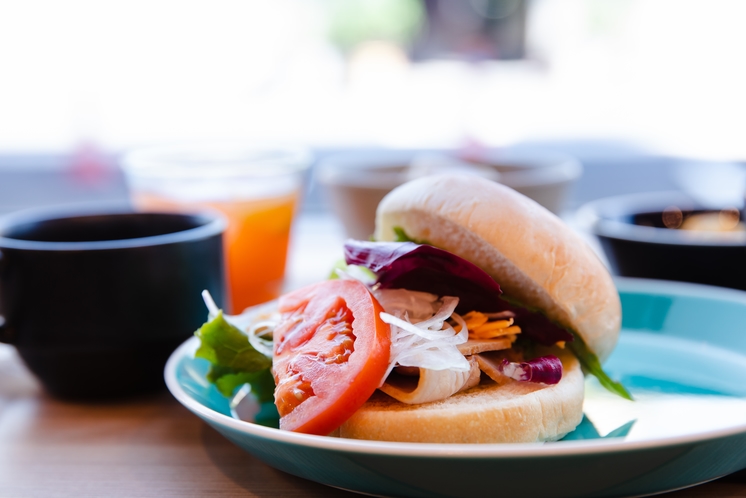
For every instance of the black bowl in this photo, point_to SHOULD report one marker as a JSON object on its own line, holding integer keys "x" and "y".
{"x": 632, "y": 231}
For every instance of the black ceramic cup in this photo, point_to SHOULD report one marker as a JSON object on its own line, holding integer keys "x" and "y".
{"x": 95, "y": 302}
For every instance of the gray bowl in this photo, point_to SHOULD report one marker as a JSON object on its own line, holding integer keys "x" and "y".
{"x": 354, "y": 183}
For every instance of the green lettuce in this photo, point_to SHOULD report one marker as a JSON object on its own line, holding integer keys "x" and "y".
{"x": 233, "y": 360}
{"x": 401, "y": 236}
{"x": 591, "y": 365}
{"x": 338, "y": 265}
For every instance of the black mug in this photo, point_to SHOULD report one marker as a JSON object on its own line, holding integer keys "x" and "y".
{"x": 96, "y": 302}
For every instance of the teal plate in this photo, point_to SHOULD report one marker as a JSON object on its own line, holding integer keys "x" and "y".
{"x": 682, "y": 353}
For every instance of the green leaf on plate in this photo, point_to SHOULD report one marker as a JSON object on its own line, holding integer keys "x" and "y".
{"x": 591, "y": 365}
{"x": 228, "y": 380}
{"x": 233, "y": 359}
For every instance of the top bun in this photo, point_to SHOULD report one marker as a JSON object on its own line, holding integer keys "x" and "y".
{"x": 537, "y": 260}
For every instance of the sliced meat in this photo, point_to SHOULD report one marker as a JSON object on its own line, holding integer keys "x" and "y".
{"x": 431, "y": 385}
{"x": 475, "y": 346}
{"x": 489, "y": 363}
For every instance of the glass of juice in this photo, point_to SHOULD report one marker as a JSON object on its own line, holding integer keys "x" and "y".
{"x": 257, "y": 188}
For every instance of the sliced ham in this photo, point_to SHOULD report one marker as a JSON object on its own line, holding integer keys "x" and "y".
{"x": 431, "y": 385}
{"x": 489, "y": 363}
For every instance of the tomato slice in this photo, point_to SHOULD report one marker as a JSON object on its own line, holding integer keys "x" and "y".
{"x": 331, "y": 351}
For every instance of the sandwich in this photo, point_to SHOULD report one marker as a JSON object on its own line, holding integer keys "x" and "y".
{"x": 472, "y": 318}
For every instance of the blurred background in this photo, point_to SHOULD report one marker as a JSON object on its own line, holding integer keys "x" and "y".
{"x": 626, "y": 86}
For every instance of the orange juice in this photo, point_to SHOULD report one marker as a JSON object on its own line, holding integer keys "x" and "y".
{"x": 256, "y": 242}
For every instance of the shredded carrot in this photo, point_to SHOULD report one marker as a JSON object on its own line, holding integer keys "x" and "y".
{"x": 491, "y": 334}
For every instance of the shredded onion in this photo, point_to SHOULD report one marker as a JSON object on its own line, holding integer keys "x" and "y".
{"x": 257, "y": 336}
{"x": 212, "y": 308}
{"x": 418, "y": 305}
{"x": 426, "y": 341}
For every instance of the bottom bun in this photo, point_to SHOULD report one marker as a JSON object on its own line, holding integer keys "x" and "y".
{"x": 510, "y": 412}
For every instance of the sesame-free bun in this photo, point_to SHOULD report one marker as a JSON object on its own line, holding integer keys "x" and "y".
{"x": 537, "y": 260}
{"x": 509, "y": 412}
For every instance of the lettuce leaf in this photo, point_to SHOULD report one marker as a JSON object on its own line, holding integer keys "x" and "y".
{"x": 338, "y": 265}
{"x": 591, "y": 365}
{"x": 228, "y": 380}
{"x": 233, "y": 360}
{"x": 401, "y": 236}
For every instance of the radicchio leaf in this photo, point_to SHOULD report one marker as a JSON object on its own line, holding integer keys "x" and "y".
{"x": 546, "y": 370}
{"x": 422, "y": 267}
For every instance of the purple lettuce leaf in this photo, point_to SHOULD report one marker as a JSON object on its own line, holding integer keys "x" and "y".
{"x": 546, "y": 369}
{"x": 422, "y": 267}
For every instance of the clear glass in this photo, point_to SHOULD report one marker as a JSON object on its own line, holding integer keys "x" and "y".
{"x": 257, "y": 188}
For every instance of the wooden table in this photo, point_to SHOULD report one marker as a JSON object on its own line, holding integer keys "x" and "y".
{"x": 152, "y": 446}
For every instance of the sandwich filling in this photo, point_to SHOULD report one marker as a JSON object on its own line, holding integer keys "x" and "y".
{"x": 414, "y": 321}
{"x": 435, "y": 352}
